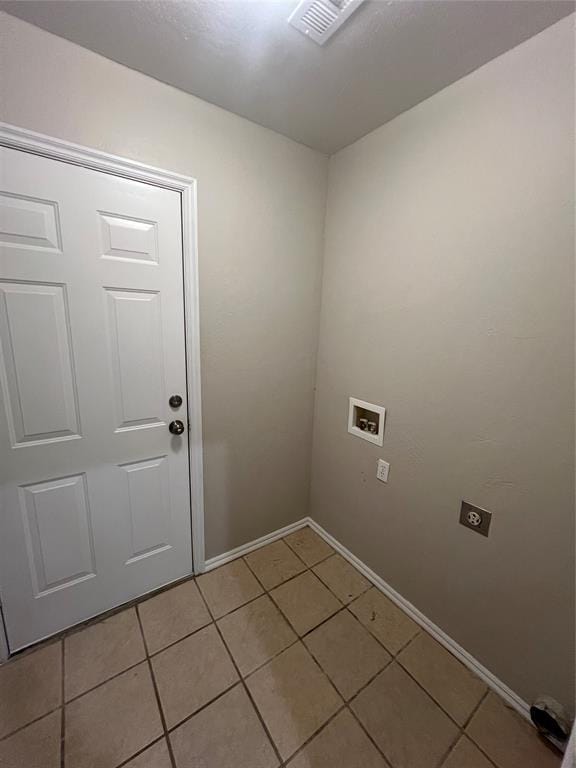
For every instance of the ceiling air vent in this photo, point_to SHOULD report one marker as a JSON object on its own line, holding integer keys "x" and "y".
{"x": 319, "y": 19}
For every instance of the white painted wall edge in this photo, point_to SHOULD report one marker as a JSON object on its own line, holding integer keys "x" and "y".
{"x": 438, "y": 634}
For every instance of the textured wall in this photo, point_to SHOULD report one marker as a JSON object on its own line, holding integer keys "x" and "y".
{"x": 448, "y": 297}
{"x": 261, "y": 213}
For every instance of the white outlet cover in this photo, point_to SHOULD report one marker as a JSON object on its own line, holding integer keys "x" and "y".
{"x": 383, "y": 470}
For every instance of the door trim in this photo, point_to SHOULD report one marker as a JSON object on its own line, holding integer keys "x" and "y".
{"x": 22, "y": 139}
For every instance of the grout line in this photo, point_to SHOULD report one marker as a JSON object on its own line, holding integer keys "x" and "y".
{"x": 324, "y": 621}
{"x": 431, "y": 697}
{"x": 351, "y": 600}
{"x": 300, "y": 639}
{"x": 275, "y": 656}
{"x": 469, "y": 736}
{"x": 313, "y": 736}
{"x": 449, "y": 751}
{"x": 203, "y": 707}
{"x": 243, "y": 682}
{"x": 29, "y": 722}
{"x": 409, "y": 643}
{"x": 237, "y": 608}
{"x": 153, "y": 654}
{"x": 503, "y": 691}
{"x": 476, "y": 708}
{"x": 259, "y": 580}
{"x": 141, "y": 751}
{"x": 446, "y": 753}
{"x": 103, "y": 682}
{"x": 394, "y": 658}
{"x": 369, "y": 682}
{"x": 252, "y": 571}
{"x": 291, "y": 578}
{"x": 369, "y": 735}
{"x": 328, "y": 678}
{"x": 347, "y": 705}
{"x": 322, "y": 559}
{"x": 156, "y": 692}
{"x": 308, "y": 631}
{"x": 372, "y": 635}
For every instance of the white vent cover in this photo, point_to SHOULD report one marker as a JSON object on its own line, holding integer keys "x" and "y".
{"x": 319, "y": 19}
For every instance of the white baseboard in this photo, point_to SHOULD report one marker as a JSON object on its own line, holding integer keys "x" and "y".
{"x": 215, "y": 562}
{"x": 438, "y": 634}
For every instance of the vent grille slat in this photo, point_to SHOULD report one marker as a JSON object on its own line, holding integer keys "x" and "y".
{"x": 319, "y": 19}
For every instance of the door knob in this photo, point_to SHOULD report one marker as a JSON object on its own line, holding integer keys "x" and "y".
{"x": 175, "y": 401}
{"x": 176, "y": 427}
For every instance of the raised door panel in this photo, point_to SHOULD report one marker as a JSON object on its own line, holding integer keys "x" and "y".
{"x": 126, "y": 238}
{"x": 36, "y": 357}
{"x": 29, "y": 223}
{"x": 149, "y": 505}
{"x": 58, "y": 533}
{"x": 134, "y": 322}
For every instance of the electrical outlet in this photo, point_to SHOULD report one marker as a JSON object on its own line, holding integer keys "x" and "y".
{"x": 475, "y": 518}
{"x": 383, "y": 470}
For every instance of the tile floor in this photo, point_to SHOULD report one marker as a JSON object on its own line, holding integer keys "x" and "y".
{"x": 286, "y": 657}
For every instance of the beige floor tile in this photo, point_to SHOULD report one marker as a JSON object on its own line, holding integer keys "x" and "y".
{"x": 341, "y": 743}
{"x": 507, "y": 739}
{"x": 294, "y": 698}
{"x": 447, "y": 680}
{"x": 192, "y": 673}
{"x": 114, "y": 721}
{"x": 156, "y": 756}
{"x": 228, "y": 587}
{"x": 347, "y": 652}
{"x": 305, "y": 602}
{"x": 466, "y": 755}
{"x": 410, "y": 729}
{"x": 101, "y": 651}
{"x": 274, "y": 564}
{"x": 30, "y": 686}
{"x": 309, "y": 546}
{"x": 342, "y": 578}
{"x": 171, "y": 615}
{"x": 226, "y": 734}
{"x": 384, "y": 619}
{"x": 255, "y": 633}
{"x": 36, "y": 746}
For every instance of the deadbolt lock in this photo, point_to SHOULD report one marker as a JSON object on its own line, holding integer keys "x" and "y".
{"x": 175, "y": 401}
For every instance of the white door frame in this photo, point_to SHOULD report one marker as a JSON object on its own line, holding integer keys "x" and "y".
{"x": 56, "y": 149}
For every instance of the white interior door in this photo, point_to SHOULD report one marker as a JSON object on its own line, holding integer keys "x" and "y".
{"x": 94, "y": 489}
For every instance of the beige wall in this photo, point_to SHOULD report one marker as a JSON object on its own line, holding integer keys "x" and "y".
{"x": 448, "y": 297}
{"x": 261, "y": 213}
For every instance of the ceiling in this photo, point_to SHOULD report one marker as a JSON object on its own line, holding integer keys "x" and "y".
{"x": 242, "y": 54}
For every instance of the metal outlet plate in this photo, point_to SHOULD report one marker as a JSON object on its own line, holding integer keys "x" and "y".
{"x": 475, "y": 518}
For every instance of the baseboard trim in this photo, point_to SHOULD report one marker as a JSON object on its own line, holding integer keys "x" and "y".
{"x": 226, "y": 557}
{"x": 438, "y": 634}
